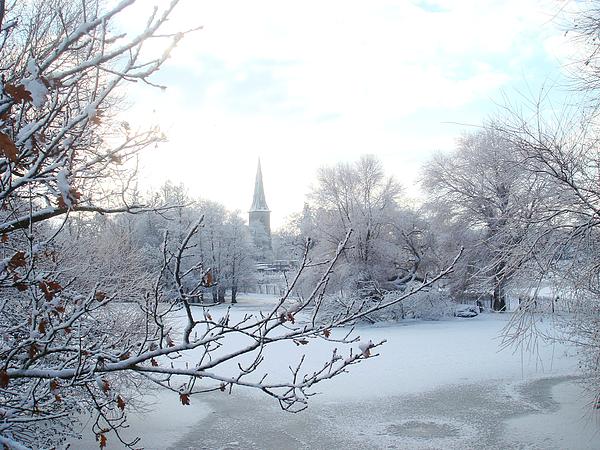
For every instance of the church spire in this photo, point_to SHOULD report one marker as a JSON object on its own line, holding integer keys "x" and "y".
{"x": 259, "y": 203}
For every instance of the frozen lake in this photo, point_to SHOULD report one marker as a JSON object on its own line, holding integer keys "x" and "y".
{"x": 436, "y": 385}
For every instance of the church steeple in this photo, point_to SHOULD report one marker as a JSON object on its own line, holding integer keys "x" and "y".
{"x": 259, "y": 203}
{"x": 259, "y": 219}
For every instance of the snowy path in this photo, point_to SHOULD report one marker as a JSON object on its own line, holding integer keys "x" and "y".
{"x": 436, "y": 385}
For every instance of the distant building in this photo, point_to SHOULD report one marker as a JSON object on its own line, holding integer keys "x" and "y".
{"x": 259, "y": 220}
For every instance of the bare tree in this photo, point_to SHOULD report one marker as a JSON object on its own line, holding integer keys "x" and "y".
{"x": 561, "y": 147}
{"x": 483, "y": 186}
{"x": 240, "y": 255}
{"x": 362, "y": 197}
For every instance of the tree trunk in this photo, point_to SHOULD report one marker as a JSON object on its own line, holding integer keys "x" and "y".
{"x": 221, "y": 294}
{"x": 233, "y": 294}
{"x": 499, "y": 298}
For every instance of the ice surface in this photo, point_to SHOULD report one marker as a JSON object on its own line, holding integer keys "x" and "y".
{"x": 570, "y": 423}
{"x": 435, "y": 385}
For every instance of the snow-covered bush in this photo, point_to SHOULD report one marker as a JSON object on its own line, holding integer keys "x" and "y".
{"x": 431, "y": 304}
{"x": 412, "y": 303}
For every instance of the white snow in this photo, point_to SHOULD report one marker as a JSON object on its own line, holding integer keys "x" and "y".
{"x": 32, "y": 68}
{"x": 62, "y": 182}
{"x": 161, "y": 423}
{"x": 418, "y": 356}
{"x": 39, "y": 92}
{"x": 90, "y": 110}
{"x": 419, "y": 359}
{"x": 25, "y": 133}
{"x": 365, "y": 347}
{"x": 37, "y": 88}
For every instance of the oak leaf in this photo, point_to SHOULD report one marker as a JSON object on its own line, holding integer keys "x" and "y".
{"x": 73, "y": 196}
{"x": 207, "y": 279}
{"x": 55, "y": 286}
{"x": 49, "y": 288}
{"x": 101, "y": 438}
{"x": 18, "y": 92}
{"x": 6, "y": 114}
{"x": 185, "y": 399}
{"x": 33, "y": 350}
{"x": 8, "y": 147}
{"x": 17, "y": 260}
{"x": 4, "y": 379}
{"x": 120, "y": 403}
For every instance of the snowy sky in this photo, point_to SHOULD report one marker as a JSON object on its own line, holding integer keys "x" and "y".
{"x": 302, "y": 84}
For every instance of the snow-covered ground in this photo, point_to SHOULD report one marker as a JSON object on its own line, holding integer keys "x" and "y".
{"x": 435, "y": 385}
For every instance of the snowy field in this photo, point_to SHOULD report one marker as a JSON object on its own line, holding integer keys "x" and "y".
{"x": 435, "y": 385}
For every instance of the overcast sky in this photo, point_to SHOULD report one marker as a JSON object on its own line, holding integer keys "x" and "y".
{"x": 302, "y": 84}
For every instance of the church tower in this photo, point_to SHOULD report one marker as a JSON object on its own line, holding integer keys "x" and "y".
{"x": 259, "y": 219}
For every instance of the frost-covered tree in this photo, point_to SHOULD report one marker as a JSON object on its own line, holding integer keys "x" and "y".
{"x": 483, "y": 187}
{"x": 239, "y": 255}
{"x": 223, "y": 245}
{"x": 390, "y": 246}
{"x": 62, "y": 152}
{"x": 358, "y": 196}
{"x": 563, "y": 150}
{"x": 558, "y": 145}
{"x": 67, "y": 348}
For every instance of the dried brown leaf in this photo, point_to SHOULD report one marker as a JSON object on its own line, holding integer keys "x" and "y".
{"x": 18, "y": 92}
{"x": 4, "y": 379}
{"x": 101, "y": 438}
{"x": 120, "y": 403}
{"x": 8, "y": 147}
{"x": 185, "y": 399}
{"x": 17, "y": 260}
